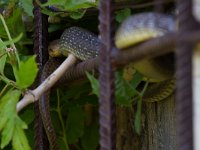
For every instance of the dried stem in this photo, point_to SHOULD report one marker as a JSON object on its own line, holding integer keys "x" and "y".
{"x": 33, "y": 95}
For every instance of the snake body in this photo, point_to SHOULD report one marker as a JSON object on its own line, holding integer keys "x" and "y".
{"x": 80, "y": 42}
{"x": 136, "y": 29}
{"x": 141, "y": 27}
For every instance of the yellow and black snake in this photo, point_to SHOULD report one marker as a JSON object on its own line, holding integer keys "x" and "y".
{"x": 134, "y": 30}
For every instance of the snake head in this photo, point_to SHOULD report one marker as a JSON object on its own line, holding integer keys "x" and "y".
{"x": 54, "y": 49}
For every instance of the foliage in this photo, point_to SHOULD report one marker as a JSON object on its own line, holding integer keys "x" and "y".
{"x": 11, "y": 126}
{"x": 27, "y": 6}
{"x": 76, "y": 9}
{"x": 126, "y": 93}
{"x": 122, "y": 14}
{"x": 21, "y": 74}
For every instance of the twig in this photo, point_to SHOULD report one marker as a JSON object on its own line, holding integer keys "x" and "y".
{"x": 33, "y": 95}
{"x": 4, "y": 89}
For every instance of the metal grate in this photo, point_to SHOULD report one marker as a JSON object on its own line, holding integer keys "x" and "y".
{"x": 187, "y": 25}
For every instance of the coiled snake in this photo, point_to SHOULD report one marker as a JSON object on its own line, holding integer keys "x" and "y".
{"x": 134, "y": 30}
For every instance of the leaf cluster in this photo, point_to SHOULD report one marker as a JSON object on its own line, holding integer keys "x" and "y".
{"x": 15, "y": 77}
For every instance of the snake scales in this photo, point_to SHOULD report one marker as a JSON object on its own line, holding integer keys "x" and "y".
{"x": 134, "y": 30}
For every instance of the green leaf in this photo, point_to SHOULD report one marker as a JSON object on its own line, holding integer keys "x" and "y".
{"x": 27, "y": 6}
{"x": 27, "y": 116}
{"x": 16, "y": 29}
{"x": 10, "y": 124}
{"x": 73, "y": 5}
{"x": 138, "y": 117}
{"x": 90, "y": 139}
{"x": 94, "y": 83}
{"x": 26, "y": 73}
{"x": 122, "y": 14}
{"x": 7, "y": 115}
{"x": 125, "y": 90}
{"x": 20, "y": 141}
{"x": 54, "y": 2}
{"x": 76, "y": 8}
{"x": 8, "y": 106}
{"x": 49, "y": 12}
{"x": 77, "y": 14}
{"x": 3, "y": 57}
{"x": 75, "y": 124}
{"x": 7, "y": 132}
{"x": 61, "y": 143}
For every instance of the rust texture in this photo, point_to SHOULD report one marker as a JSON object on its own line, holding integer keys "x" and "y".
{"x": 106, "y": 78}
{"x": 184, "y": 77}
{"x": 40, "y": 35}
{"x": 40, "y": 49}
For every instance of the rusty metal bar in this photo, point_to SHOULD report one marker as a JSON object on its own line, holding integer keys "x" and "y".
{"x": 184, "y": 77}
{"x": 40, "y": 49}
{"x": 107, "y": 88}
{"x": 158, "y": 6}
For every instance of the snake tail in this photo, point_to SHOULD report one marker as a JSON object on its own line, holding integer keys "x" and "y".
{"x": 44, "y": 107}
{"x": 159, "y": 91}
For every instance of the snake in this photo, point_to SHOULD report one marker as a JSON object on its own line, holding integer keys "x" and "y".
{"x": 133, "y": 31}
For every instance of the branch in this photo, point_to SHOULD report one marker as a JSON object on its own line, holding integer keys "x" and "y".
{"x": 152, "y": 48}
{"x": 33, "y": 95}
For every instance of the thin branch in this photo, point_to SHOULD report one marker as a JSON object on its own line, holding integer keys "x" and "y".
{"x": 149, "y": 49}
{"x": 34, "y": 95}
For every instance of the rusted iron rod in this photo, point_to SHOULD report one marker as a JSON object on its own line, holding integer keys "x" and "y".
{"x": 184, "y": 104}
{"x": 40, "y": 42}
{"x": 106, "y": 78}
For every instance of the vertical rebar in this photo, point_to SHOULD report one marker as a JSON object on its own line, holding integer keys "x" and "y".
{"x": 40, "y": 35}
{"x": 107, "y": 98}
{"x": 41, "y": 50}
{"x": 184, "y": 103}
{"x": 158, "y": 7}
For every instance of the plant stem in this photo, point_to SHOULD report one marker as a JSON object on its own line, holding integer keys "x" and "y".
{"x": 144, "y": 89}
{"x": 61, "y": 120}
{"x": 4, "y": 89}
{"x": 8, "y": 81}
{"x": 9, "y": 37}
{"x": 139, "y": 109}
